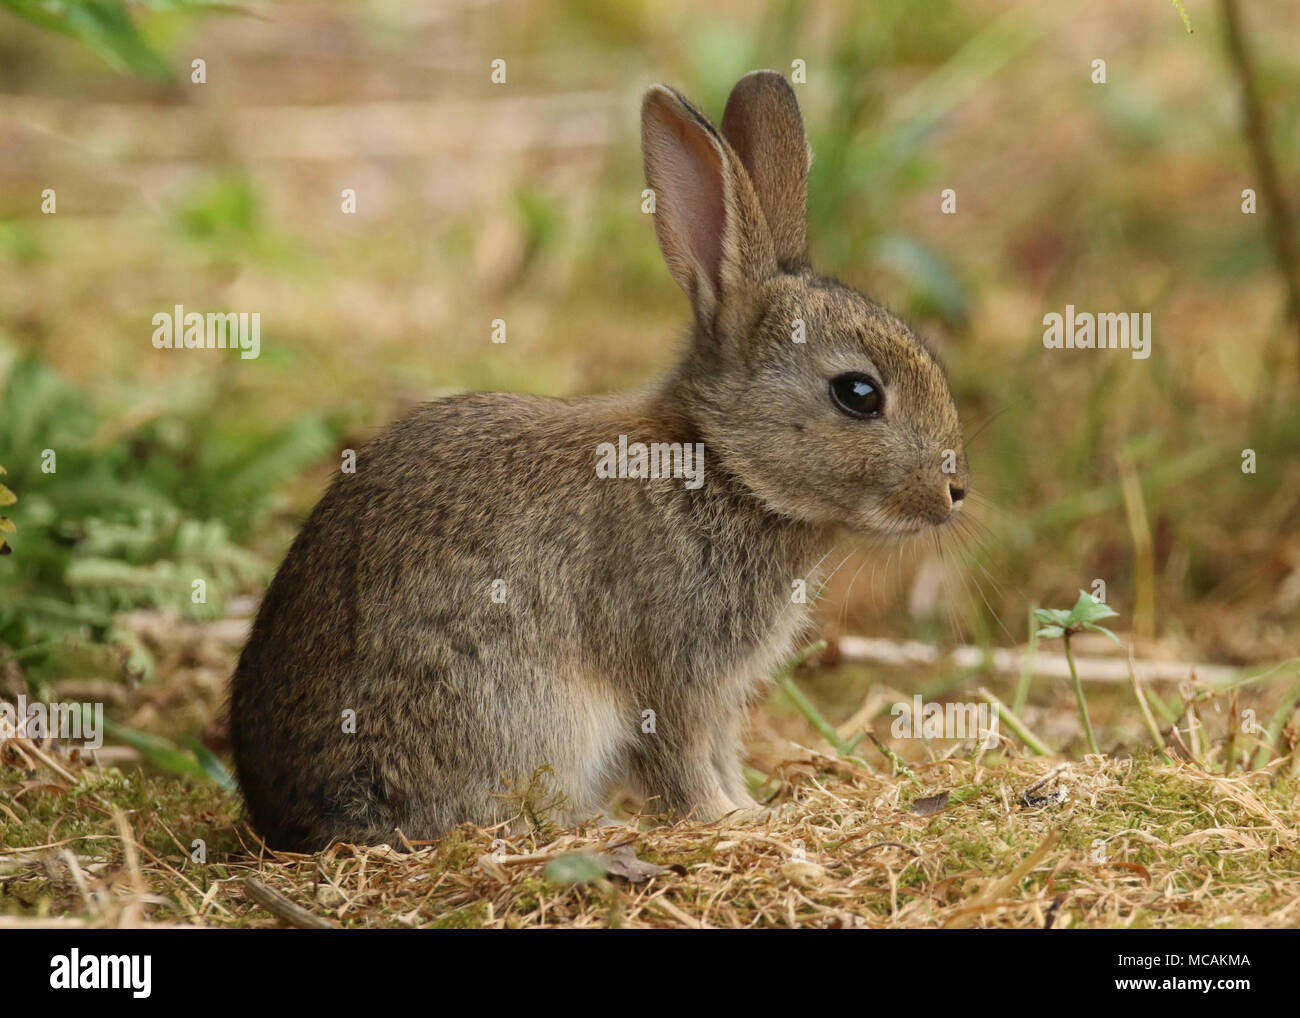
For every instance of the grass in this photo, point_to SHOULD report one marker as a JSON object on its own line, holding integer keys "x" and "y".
{"x": 1133, "y": 838}
{"x": 1136, "y": 843}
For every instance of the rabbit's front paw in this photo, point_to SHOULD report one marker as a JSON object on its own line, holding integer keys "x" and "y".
{"x": 721, "y": 807}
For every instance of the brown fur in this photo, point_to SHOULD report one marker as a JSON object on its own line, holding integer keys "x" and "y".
{"x": 622, "y": 595}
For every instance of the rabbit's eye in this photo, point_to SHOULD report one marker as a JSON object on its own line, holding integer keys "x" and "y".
{"x": 857, "y": 395}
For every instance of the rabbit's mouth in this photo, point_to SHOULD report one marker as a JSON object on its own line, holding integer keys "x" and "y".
{"x": 910, "y": 509}
{"x": 884, "y": 525}
{"x": 905, "y": 529}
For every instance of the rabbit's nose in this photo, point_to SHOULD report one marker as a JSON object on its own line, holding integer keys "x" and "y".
{"x": 957, "y": 494}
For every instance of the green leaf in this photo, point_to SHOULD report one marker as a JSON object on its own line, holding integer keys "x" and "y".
{"x": 1089, "y": 609}
{"x": 575, "y": 868}
{"x": 104, "y": 26}
{"x": 271, "y": 461}
{"x": 1102, "y": 629}
{"x": 211, "y": 764}
{"x": 160, "y": 752}
{"x": 1050, "y": 632}
{"x": 107, "y": 28}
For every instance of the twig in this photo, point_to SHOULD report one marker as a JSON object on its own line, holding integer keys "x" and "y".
{"x": 282, "y": 908}
{"x": 1010, "y": 660}
{"x": 1058, "y": 769}
{"x": 1255, "y": 126}
{"x": 673, "y": 912}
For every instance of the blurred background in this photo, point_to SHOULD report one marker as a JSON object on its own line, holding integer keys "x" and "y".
{"x": 520, "y": 201}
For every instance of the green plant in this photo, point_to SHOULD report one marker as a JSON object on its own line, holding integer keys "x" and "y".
{"x": 107, "y": 28}
{"x": 129, "y": 512}
{"x": 1054, "y": 622}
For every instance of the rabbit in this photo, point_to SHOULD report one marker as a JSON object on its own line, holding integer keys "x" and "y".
{"x": 478, "y": 604}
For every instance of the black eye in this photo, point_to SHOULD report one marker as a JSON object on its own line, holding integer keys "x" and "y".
{"x": 857, "y": 395}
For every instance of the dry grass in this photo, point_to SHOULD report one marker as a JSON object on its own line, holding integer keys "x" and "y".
{"x": 1135, "y": 842}
{"x": 1121, "y": 840}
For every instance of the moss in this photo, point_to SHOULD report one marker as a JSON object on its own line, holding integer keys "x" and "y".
{"x": 1179, "y": 847}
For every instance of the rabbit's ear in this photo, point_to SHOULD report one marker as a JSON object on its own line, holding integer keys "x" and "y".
{"x": 763, "y": 126}
{"x": 709, "y": 223}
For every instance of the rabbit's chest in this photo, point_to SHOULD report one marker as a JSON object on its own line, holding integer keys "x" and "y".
{"x": 750, "y": 665}
{"x": 755, "y": 623}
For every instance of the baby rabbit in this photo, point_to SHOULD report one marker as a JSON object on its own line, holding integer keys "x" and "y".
{"x": 508, "y": 583}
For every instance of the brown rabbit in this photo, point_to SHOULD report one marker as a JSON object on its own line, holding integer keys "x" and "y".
{"x": 488, "y": 595}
